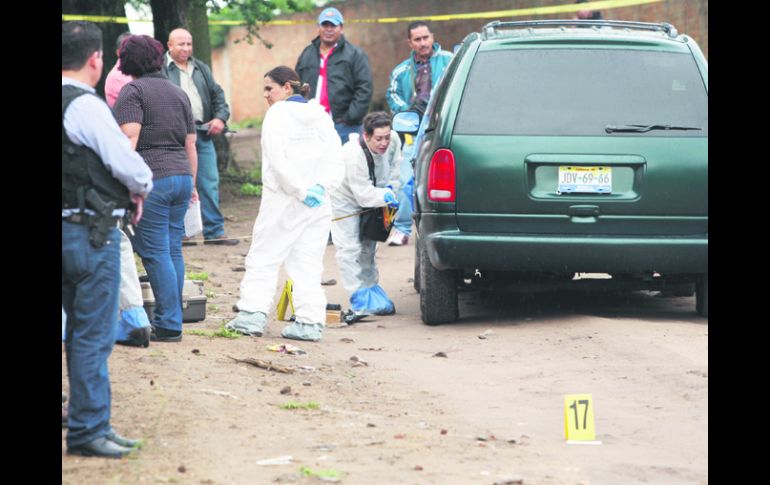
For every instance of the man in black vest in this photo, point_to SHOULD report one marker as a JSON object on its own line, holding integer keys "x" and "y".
{"x": 102, "y": 177}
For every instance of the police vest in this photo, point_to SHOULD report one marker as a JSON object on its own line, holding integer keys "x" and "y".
{"x": 82, "y": 168}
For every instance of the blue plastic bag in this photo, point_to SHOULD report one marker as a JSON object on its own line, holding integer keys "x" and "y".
{"x": 372, "y": 300}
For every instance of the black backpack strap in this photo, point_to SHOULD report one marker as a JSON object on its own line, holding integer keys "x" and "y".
{"x": 369, "y": 159}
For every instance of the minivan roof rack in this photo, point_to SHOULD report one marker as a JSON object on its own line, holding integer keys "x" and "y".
{"x": 490, "y": 29}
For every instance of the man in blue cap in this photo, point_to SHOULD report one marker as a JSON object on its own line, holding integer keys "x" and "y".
{"x": 338, "y": 73}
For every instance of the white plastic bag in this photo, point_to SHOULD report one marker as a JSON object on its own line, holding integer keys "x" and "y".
{"x": 193, "y": 223}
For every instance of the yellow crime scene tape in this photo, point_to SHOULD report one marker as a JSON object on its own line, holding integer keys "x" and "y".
{"x": 519, "y": 12}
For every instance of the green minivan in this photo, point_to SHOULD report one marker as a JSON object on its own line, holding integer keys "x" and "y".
{"x": 562, "y": 147}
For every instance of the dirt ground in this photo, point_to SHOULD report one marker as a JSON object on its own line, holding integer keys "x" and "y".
{"x": 489, "y": 411}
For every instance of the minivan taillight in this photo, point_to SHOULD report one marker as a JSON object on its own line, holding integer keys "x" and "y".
{"x": 441, "y": 176}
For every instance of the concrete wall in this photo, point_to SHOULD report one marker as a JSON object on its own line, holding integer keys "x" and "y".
{"x": 240, "y": 67}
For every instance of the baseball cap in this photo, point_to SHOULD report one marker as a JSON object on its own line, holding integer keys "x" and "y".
{"x": 332, "y": 15}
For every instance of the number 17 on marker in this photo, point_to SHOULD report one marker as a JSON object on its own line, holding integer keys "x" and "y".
{"x": 579, "y": 417}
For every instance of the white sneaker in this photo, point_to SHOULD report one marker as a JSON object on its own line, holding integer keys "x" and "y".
{"x": 397, "y": 238}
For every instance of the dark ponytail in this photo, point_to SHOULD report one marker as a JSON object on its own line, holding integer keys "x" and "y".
{"x": 284, "y": 74}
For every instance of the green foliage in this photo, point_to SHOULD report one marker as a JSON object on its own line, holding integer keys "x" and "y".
{"x": 221, "y": 332}
{"x": 247, "y": 123}
{"x": 309, "y": 472}
{"x": 251, "y": 190}
{"x": 218, "y": 33}
{"x": 210, "y": 294}
{"x": 256, "y": 12}
{"x": 298, "y": 405}
{"x": 203, "y": 276}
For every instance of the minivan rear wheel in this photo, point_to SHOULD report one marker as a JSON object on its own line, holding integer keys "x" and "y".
{"x": 438, "y": 292}
{"x": 702, "y": 296}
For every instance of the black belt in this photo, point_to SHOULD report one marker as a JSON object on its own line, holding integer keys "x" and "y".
{"x": 85, "y": 219}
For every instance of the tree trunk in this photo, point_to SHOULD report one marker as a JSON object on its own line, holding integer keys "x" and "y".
{"x": 168, "y": 15}
{"x": 110, "y": 31}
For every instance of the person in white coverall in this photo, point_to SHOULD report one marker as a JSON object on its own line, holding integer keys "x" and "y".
{"x": 301, "y": 165}
{"x": 355, "y": 256}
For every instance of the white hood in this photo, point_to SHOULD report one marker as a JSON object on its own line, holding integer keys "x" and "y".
{"x": 300, "y": 148}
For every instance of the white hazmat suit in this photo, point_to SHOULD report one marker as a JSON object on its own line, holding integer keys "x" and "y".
{"x": 355, "y": 257}
{"x": 300, "y": 148}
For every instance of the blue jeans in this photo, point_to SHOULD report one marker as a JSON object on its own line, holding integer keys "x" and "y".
{"x": 158, "y": 241}
{"x": 344, "y": 130}
{"x": 404, "y": 215}
{"x": 90, "y": 283}
{"x": 207, "y": 183}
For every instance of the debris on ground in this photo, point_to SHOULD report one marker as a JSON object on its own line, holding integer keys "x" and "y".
{"x": 347, "y": 340}
{"x": 181, "y": 469}
{"x": 372, "y": 349}
{"x": 418, "y": 468}
{"x": 306, "y": 368}
{"x": 399, "y": 436}
{"x": 443, "y": 431}
{"x": 439, "y": 354}
{"x": 487, "y": 333}
{"x": 286, "y": 390}
{"x": 510, "y": 481}
{"x": 286, "y": 349}
{"x": 263, "y": 364}
{"x": 329, "y": 282}
{"x": 356, "y": 361}
{"x": 280, "y": 460}
{"x": 218, "y": 393}
{"x": 238, "y": 269}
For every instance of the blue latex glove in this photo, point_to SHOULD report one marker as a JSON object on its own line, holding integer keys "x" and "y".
{"x": 390, "y": 199}
{"x": 315, "y": 196}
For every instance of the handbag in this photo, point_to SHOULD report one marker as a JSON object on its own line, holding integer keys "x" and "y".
{"x": 373, "y": 225}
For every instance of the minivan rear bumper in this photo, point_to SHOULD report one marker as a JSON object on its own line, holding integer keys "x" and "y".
{"x": 554, "y": 253}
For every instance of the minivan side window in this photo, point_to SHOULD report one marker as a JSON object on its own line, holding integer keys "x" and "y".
{"x": 562, "y": 91}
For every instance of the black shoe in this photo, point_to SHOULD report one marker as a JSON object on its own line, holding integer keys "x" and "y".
{"x": 223, "y": 241}
{"x": 161, "y": 335}
{"x": 122, "y": 441}
{"x": 99, "y": 447}
{"x": 138, "y": 337}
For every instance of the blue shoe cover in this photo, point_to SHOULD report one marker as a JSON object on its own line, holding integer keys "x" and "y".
{"x": 303, "y": 331}
{"x": 372, "y": 300}
{"x": 248, "y": 323}
{"x": 133, "y": 327}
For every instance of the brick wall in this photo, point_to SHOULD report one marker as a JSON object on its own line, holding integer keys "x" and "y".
{"x": 240, "y": 67}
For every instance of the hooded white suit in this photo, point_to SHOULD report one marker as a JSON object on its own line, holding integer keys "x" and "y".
{"x": 300, "y": 148}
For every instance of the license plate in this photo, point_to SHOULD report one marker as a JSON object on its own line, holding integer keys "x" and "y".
{"x": 586, "y": 180}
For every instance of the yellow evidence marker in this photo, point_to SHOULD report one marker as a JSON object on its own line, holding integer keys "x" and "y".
{"x": 285, "y": 301}
{"x": 579, "y": 419}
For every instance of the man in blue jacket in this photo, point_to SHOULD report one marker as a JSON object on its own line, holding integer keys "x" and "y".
{"x": 411, "y": 83}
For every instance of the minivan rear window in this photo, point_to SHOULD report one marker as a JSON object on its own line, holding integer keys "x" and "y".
{"x": 581, "y": 91}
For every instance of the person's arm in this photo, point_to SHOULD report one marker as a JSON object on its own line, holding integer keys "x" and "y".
{"x": 89, "y": 122}
{"x": 274, "y": 129}
{"x": 132, "y": 131}
{"x": 394, "y": 177}
{"x": 362, "y": 88}
{"x": 393, "y": 95}
{"x": 192, "y": 155}
{"x": 220, "y": 111}
{"x": 335, "y": 166}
